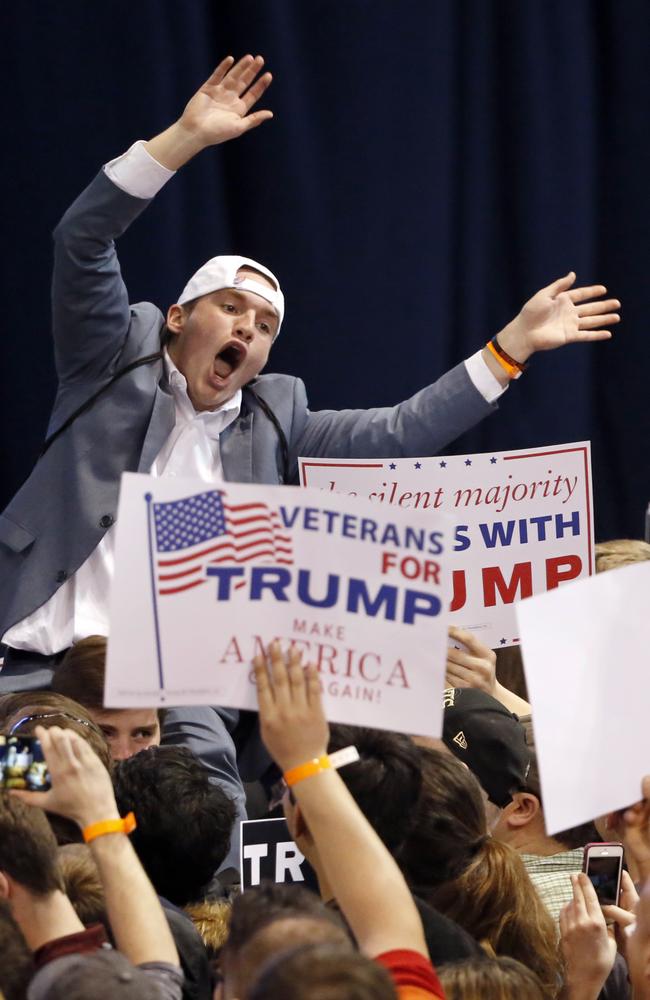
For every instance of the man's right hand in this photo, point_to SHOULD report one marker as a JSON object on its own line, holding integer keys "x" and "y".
{"x": 219, "y": 111}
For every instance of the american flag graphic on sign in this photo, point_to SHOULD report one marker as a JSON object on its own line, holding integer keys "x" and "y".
{"x": 203, "y": 530}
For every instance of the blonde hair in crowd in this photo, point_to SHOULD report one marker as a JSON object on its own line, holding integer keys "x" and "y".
{"x": 620, "y": 552}
{"x": 212, "y": 920}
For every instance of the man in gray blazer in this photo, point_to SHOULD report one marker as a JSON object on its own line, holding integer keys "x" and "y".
{"x": 181, "y": 395}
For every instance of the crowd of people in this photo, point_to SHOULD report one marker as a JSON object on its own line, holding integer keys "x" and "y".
{"x": 434, "y": 874}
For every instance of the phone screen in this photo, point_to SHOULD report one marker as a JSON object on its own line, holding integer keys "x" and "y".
{"x": 604, "y": 873}
{"x": 22, "y": 764}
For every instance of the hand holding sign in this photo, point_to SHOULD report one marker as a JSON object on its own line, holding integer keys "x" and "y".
{"x": 471, "y": 667}
{"x": 474, "y": 666}
{"x": 292, "y": 720}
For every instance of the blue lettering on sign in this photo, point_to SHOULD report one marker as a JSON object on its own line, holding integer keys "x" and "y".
{"x": 461, "y": 539}
{"x": 498, "y": 535}
{"x": 435, "y": 543}
{"x": 416, "y": 603}
{"x": 389, "y": 601}
{"x": 573, "y": 523}
{"x": 330, "y": 598}
{"x": 224, "y": 575}
{"x": 289, "y": 517}
{"x": 503, "y": 532}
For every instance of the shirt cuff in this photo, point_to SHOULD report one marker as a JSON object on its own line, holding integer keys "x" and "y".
{"x": 486, "y": 383}
{"x": 137, "y": 173}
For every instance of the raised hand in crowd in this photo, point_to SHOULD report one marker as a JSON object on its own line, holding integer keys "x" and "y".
{"x": 588, "y": 946}
{"x": 220, "y": 110}
{"x": 473, "y": 665}
{"x": 364, "y": 878}
{"x": 622, "y": 917}
{"x": 82, "y": 791}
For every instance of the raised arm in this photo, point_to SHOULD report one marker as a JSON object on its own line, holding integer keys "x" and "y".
{"x": 220, "y": 110}
{"x": 555, "y": 316}
{"x": 439, "y": 413}
{"x": 474, "y": 666}
{"x": 365, "y": 880}
{"x": 90, "y": 307}
{"x": 82, "y": 791}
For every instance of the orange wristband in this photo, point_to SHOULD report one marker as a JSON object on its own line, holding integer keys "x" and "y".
{"x": 125, "y": 825}
{"x": 314, "y": 766}
{"x": 509, "y": 365}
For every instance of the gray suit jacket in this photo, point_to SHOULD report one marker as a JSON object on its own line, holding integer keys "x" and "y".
{"x": 60, "y": 514}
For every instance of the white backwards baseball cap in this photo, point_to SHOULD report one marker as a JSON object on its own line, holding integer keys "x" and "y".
{"x": 221, "y": 272}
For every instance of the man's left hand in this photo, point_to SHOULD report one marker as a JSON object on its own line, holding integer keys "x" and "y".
{"x": 557, "y": 315}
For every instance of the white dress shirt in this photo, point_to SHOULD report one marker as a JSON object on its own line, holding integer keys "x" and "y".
{"x": 80, "y": 606}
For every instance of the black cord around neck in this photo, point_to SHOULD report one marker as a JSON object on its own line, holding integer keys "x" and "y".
{"x": 147, "y": 360}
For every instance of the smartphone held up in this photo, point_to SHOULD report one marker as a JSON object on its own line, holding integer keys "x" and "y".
{"x": 22, "y": 764}
{"x": 603, "y": 865}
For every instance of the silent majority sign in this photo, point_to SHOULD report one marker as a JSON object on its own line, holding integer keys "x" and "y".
{"x": 522, "y": 521}
{"x": 207, "y": 575}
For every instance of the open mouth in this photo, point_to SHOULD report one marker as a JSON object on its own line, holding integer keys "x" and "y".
{"x": 229, "y": 359}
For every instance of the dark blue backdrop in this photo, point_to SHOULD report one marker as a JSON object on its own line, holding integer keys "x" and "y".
{"x": 431, "y": 164}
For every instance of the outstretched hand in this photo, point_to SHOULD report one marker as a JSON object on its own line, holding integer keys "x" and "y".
{"x": 81, "y": 786}
{"x": 560, "y": 314}
{"x": 292, "y": 720}
{"x": 221, "y": 108}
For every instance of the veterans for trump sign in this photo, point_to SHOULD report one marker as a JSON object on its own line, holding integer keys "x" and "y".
{"x": 206, "y": 577}
{"x": 522, "y": 521}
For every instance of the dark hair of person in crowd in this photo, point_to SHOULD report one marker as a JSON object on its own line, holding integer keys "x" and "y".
{"x": 510, "y": 670}
{"x": 385, "y": 783}
{"x": 81, "y": 676}
{"x": 46, "y": 708}
{"x": 274, "y": 938}
{"x": 325, "y": 971}
{"x": 255, "y": 910}
{"x": 576, "y": 836}
{"x": 28, "y": 849}
{"x": 16, "y": 962}
{"x": 83, "y": 884}
{"x": 490, "y": 979}
{"x": 620, "y": 552}
{"x": 185, "y": 821}
{"x": 82, "y": 673}
{"x": 451, "y": 861}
